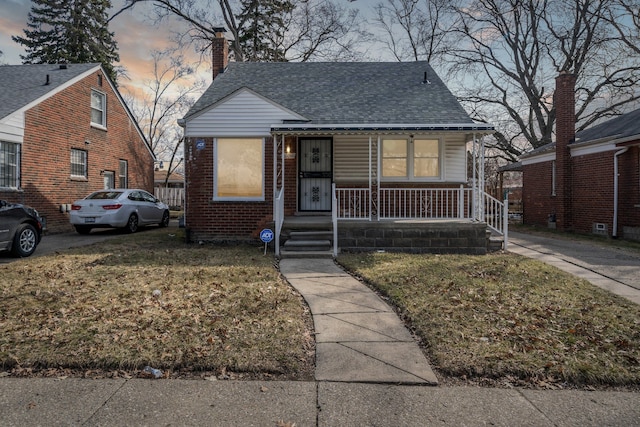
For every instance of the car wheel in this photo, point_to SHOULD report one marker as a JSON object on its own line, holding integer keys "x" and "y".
{"x": 25, "y": 241}
{"x": 132, "y": 224}
{"x": 83, "y": 229}
{"x": 165, "y": 219}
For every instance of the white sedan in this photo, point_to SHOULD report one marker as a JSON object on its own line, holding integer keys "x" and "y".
{"x": 118, "y": 208}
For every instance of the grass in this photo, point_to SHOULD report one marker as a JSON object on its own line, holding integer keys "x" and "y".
{"x": 113, "y": 308}
{"x": 150, "y": 299}
{"x": 505, "y": 319}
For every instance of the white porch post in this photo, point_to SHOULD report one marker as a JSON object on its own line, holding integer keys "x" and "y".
{"x": 482, "y": 186}
{"x": 370, "y": 177}
{"x": 378, "y": 174}
{"x": 474, "y": 182}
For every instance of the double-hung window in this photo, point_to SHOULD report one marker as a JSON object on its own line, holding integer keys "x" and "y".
{"x": 78, "y": 163}
{"x": 239, "y": 169}
{"x": 9, "y": 165}
{"x": 410, "y": 159}
{"x": 98, "y": 108}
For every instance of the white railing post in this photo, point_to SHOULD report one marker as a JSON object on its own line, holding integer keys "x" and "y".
{"x": 505, "y": 225}
{"x": 279, "y": 217}
{"x": 334, "y": 219}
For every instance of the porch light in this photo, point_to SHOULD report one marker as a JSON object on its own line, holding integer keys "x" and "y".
{"x": 288, "y": 154}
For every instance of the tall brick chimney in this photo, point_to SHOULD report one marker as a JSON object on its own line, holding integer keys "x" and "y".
{"x": 219, "y": 52}
{"x": 565, "y": 106}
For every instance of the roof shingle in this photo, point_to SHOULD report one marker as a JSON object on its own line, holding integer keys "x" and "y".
{"x": 344, "y": 93}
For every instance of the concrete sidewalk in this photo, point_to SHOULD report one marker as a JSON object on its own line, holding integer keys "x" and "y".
{"x": 140, "y": 402}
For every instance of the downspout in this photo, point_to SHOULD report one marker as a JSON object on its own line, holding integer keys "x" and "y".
{"x": 614, "y": 232}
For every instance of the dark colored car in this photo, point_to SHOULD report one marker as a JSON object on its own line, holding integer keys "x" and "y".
{"x": 20, "y": 229}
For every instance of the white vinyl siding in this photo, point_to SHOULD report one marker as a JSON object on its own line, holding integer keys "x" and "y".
{"x": 243, "y": 115}
{"x": 455, "y": 159}
{"x": 351, "y": 158}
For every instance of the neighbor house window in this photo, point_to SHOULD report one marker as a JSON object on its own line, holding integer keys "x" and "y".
{"x": 410, "y": 158}
{"x": 98, "y": 108}
{"x": 9, "y": 164}
{"x": 123, "y": 173}
{"x": 239, "y": 169}
{"x": 78, "y": 163}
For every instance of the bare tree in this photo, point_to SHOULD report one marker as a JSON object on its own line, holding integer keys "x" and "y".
{"x": 512, "y": 50}
{"x": 313, "y": 29}
{"x": 161, "y": 101}
{"x": 416, "y": 30}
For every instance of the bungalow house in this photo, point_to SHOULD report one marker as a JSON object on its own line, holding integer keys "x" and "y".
{"x": 364, "y": 155}
{"x": 587, "y": 182}
{"x": 65, "y": 132}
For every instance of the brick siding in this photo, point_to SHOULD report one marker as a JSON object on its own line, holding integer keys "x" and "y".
{"x": 207, "y": 220}
{"x": 61, "y": 123}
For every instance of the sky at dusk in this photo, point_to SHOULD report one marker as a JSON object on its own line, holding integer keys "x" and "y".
{"x": 136, "y": 36}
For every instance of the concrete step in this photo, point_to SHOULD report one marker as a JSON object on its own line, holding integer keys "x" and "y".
{"x": 284, "y": 253}
{"x": 307, "y": 245}
{"x": 495, "y": 243}
{"x": 311, "y": 235}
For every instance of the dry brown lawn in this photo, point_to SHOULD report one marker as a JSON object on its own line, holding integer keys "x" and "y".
{"x": 505, "y": 319}
{"x": 150, "y": 299}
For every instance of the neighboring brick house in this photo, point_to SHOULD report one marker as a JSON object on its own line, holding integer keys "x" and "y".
{"x": 587, "y": 182}
{"x": 374, "y": 144}
{"x": 65, "y": 132}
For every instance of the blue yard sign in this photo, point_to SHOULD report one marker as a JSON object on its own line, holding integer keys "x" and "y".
{"x": 266, "y": 235}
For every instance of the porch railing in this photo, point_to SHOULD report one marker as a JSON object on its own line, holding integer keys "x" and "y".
{"x": 425, "y": 203}
{"x": 174, "y": 197}
{"x": 353, "y": 203}
{"x": 496, "y": 216}
{"x": 420, "y": 203}
{"x": 278, "y": 217}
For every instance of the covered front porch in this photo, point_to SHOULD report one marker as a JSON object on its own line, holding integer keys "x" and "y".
{"x": 348, "y": 197}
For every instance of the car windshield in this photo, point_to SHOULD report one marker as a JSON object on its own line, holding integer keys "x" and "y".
{"x": 101, "y": 195}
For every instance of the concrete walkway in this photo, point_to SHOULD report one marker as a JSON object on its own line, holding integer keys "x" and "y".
{"x": 359, "y": 338}
{"x": 614, "y": 269}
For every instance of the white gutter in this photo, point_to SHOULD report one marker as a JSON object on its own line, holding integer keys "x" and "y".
{"x": 614, "y": 232}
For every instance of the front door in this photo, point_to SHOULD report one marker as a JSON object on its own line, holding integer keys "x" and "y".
{"x": 315, "y": 174}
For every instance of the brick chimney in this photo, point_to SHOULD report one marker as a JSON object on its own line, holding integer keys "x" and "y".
{"x": 565, "y": 106}
{"x": 219, "y": 52}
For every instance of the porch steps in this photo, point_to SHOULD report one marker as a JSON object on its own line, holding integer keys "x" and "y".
{"x": 308, "y": 244}
{"x": 495, "y": 242}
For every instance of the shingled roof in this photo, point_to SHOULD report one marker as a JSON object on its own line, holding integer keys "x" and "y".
{"x": 344, "y": 93}
{"x": 24, "y": 84}
{"x": 624, "y": 126}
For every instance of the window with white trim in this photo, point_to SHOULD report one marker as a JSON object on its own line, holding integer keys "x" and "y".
{"x": 239, "y": 169}
{"x": 9, "y": 165}
{"x": 410, "y": 159}
{"x": 123, "y": 174}
{"x": 98, "y": 108}
{"x": 78, "y": 163}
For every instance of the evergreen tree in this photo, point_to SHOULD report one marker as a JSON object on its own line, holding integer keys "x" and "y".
{"x": 265, "y": 22}
{"x": 69, "y": 31}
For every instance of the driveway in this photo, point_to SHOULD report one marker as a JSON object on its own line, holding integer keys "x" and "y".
{"x": 55, "y": 242}
{"x": 613, "y": 268}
